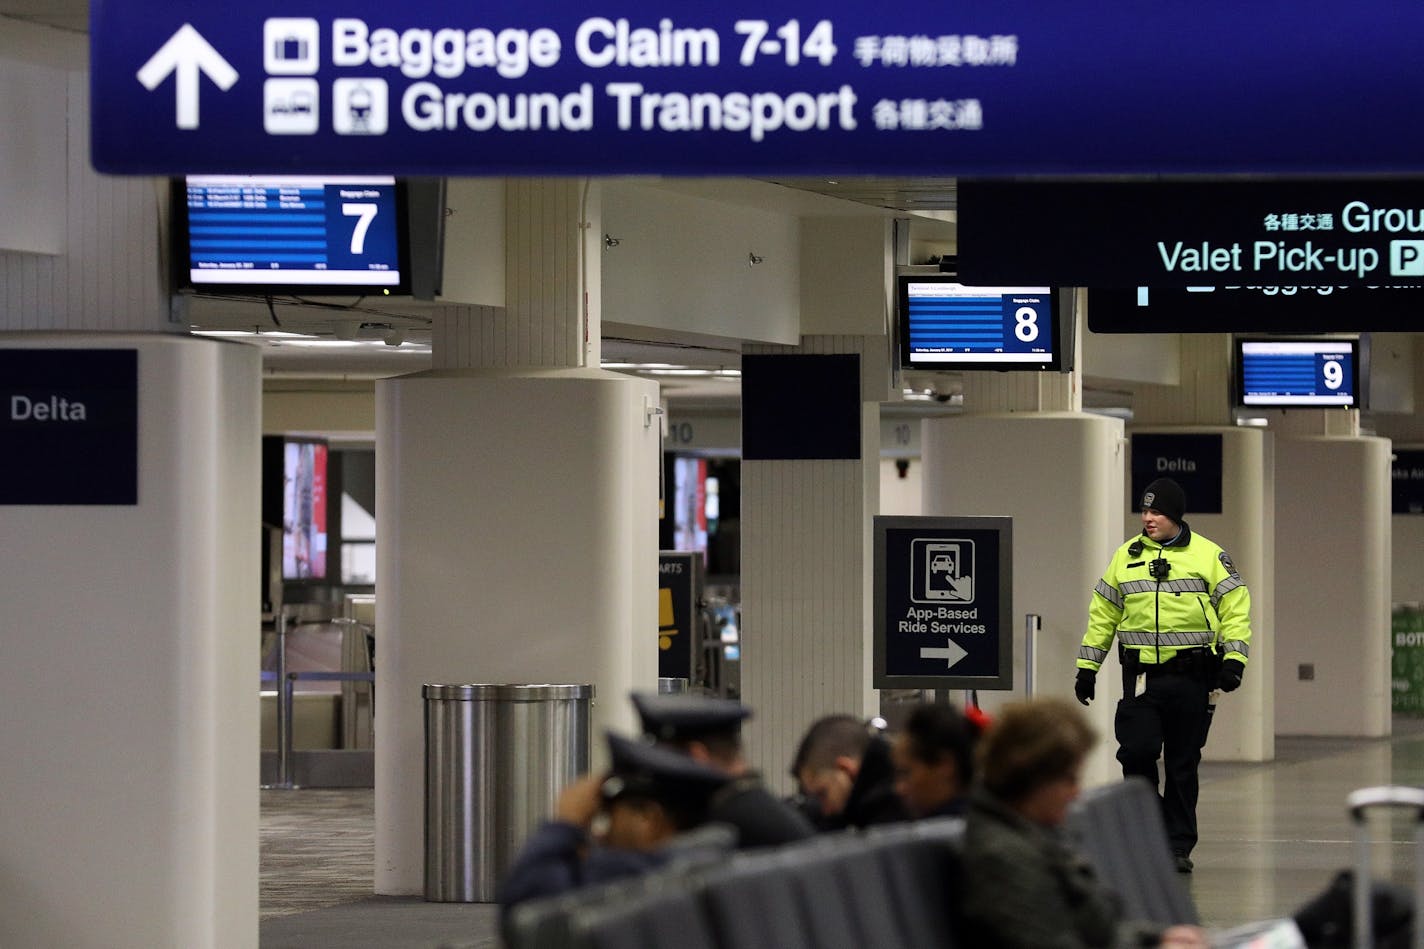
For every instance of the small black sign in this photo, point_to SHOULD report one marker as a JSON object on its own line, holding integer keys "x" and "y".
{"x": 776, "y": 421}
{"x": 69, "y": 426}
{"x": 677, "y": 613}
{"x": 1408, "y": 482}
{"x": 1291, "y": 309}
{"x": 1193, "y": 461}
{"x": 943, "y": 594}
{"x": 1296, "y": 232}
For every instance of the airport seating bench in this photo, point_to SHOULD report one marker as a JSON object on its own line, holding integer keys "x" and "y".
{"x": 891, "y": 888}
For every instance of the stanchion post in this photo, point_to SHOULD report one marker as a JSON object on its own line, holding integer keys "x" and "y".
{"x": 1032, "y": 623}
{"x": 284, "y": 707}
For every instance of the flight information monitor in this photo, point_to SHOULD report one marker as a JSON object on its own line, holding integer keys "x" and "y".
{"x": 289, "y": 234}
{"x": 950, "y": 326}
{"x": 1297, "y": 373}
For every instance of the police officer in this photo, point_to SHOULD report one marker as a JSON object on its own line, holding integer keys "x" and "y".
{"x": 1182, "y": 618}
{"x": 655, "y": 804}
{"x": 709, "y": 730}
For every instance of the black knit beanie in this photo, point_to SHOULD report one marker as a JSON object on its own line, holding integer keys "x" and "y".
{"x": 1166, "y": 495}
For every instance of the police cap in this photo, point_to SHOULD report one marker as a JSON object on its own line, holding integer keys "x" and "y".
{"x": 660, "y": 773}
{"x": 684, "y": 717}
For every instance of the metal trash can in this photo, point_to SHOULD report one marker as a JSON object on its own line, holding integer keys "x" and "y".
{"x": 496, "y": 758}
{"x": 671, "y": 686}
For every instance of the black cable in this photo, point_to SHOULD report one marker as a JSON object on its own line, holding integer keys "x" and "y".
{"x": 272, "y": 309}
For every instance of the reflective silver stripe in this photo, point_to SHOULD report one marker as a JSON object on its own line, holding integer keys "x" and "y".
{"x": 1106, "y": 591}
{"x": 1225, "y": 587}
{"x": 1236, "y": 645}
{"x": 1164, "y": 639}
{"x": 1188, "y": 585}
{"x": 1091, "y": 654}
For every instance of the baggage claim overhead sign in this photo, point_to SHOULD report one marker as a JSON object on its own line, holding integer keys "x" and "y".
{"x": 742, "y": 87}
{"x": 943, "y": 597}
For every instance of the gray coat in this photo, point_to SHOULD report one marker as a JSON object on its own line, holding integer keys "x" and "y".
{"x": 1025, "y": 886}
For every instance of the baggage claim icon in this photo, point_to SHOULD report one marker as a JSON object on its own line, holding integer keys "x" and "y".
{"x": 942, "y": 571}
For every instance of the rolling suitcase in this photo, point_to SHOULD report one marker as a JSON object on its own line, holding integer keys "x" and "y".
{"x": 1360, "y": 803}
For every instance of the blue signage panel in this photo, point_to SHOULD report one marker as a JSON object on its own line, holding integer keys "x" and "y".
{"x": 69, "y": 426}
{"x": 1193, "y": 461}
{"x": 506, "y": 87}
{"x": 943, "y": 596}
{"x": 1204, "y": 236}
{"x": 1408, "y": 481}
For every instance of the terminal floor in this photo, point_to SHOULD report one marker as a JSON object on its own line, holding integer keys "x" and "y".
{"x": 1272, "y": 834}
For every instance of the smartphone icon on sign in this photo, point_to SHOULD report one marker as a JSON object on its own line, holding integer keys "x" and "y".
{"x": 941, "y": 567}
{"x": 949, "y": 571}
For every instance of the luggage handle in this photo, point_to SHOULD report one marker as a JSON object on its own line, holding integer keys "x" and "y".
{"x": 1358, "y": 803}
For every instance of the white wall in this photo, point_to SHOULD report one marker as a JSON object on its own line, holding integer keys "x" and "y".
{"x": 33, "y": 107}
{"x": 516, "y": 542}
{"x": 1060, "y": 477}
{"x": 901, "y": 494}
{"x": 682, "y": 265}
{"x": 845, "y": 276}
{"x": 1333, "y": 585}
{"x": 1407, "y": 558}
{"x": 129, "y": 687}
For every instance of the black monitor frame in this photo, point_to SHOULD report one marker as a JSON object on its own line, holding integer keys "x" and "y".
{"x": 1353, "y": 344}
{"x": 179, "y": 246}
{"x": 1060, "y": 318}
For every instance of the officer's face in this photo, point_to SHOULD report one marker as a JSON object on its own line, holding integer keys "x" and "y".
{"x": 1158, "y": 526}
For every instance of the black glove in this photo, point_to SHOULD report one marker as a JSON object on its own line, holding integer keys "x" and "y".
{"x": 1230, "y": 678}
{"x": 1086, "y": 688}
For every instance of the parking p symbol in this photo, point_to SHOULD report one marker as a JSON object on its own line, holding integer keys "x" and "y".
{"x": 1406, "y": 258}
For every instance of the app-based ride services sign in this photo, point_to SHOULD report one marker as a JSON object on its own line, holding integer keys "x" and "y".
{"x": 776, "y": 86}
{"x": 943, "y": 599}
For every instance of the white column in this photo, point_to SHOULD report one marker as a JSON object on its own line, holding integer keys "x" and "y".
{"x": 1059, "y": 476}
{"x": 806, "y": 582}
{"x": 1333, "y": 585}
{"x": 517, "y": 505}
{"x": 128, "y": 798}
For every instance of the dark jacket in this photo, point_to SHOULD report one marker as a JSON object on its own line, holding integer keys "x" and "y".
{"x": 761, "y": 819}
{"x": 558, "y": 857}
{"x": 1027, "y": 888}
{"x": 872, "y": 797}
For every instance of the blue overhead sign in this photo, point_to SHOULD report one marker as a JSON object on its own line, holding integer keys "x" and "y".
{"x": 778, "y": 87}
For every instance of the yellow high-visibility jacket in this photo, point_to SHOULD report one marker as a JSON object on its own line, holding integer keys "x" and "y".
{"x": 1202, "y": 601}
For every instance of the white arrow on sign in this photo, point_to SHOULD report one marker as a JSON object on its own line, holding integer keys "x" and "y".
{"x": 186, "y": 53}
{"x": 952, "y": 653}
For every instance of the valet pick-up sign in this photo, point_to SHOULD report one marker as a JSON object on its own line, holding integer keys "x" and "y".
{"x": 778, "y": 86}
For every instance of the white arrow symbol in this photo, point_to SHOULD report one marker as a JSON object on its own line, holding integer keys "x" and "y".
{"x": 186, "y": 53}
{"x": 952, "y": 653}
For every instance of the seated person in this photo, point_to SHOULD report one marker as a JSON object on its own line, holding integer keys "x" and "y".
{"x": 709, "y": 731}
{"x": 1025, "y": 885}
{"x": 651, "y": 800}
{"x": 844, "y": 765}
{"x": 933, "y": 756}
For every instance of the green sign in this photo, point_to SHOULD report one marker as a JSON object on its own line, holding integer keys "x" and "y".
{"x": 1407, "y": 658}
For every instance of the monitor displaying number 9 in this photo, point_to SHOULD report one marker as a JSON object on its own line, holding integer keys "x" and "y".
{"x": 1334, "y": 373}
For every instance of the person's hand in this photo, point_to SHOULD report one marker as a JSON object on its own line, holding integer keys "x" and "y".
{"x": 1086, "y": 688}
{"x": 579, "y": 802}
{"x": 1185, "y": 937}
{"x": 1230, "y": 678}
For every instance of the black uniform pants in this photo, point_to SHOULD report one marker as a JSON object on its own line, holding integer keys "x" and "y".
{"x": 1170, "y": 720}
